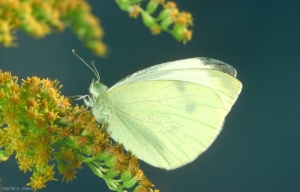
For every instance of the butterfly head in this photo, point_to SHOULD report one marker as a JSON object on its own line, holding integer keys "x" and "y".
{"x": 96, "y": 89}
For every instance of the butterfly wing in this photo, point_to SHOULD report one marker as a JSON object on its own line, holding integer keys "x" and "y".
{"x": 167, "y": 118}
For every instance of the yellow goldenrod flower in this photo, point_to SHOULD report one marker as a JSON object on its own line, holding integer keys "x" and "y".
{"x": 40, "y": 18}
{"x": 41, "y": 128}
{"x": 37, "y": 181}
{"x": 167, "y": 20}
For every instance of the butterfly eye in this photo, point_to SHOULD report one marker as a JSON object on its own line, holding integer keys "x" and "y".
{"x": 96, "y": 87}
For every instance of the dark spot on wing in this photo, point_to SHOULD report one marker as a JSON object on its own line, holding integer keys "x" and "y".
{"x": 190, "y": 107}
{"x": 180, "y": 86}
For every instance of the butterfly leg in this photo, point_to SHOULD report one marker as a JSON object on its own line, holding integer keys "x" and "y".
{"x": 86, "y": 99}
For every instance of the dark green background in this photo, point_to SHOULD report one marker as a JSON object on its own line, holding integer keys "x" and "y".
{"x": 258, "y": 149}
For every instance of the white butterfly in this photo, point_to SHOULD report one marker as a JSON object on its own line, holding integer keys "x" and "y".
{"x": 167, "y": 114}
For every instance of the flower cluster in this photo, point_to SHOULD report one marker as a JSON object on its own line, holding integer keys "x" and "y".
{"x": 39, "y": 18}
{"x": 169, "y": 19}
{"x": 42, "y": 130}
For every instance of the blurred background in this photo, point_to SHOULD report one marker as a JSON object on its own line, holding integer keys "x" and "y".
{"x": 258, "y": 149}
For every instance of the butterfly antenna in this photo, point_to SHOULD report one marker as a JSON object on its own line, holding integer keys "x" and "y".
{"x": 97, "y": 73}
{"x": 93, "y": 69}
